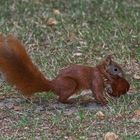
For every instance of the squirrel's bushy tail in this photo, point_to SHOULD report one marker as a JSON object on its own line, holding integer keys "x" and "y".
{"x": 18, "y": 69}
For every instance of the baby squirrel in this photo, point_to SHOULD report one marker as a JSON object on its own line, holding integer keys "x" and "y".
{"x": 19, "y": 70}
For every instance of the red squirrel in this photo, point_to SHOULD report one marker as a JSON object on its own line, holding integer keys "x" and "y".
{"x": 19, "y": 70}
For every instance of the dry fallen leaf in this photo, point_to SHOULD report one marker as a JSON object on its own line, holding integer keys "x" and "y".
{"x": 100, "y": 115}
{"x": 136, "y": 76}
{"x": 77, "y": 54}
{"x": 136, "y": 116}
{"x": 137, "y": 112}
{"x": 56, "y": 12}
{"x": 52, "y": 22}
{"x": 111, "y": 136}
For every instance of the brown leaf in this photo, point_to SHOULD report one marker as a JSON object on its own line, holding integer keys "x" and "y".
{"x": 77, "y": 54}
{"x": 100, "y": 115}
{"x": 111, "y": 136}
{"x": 56, "y": 12}
{"x": 136, "y": 76}
{"x": 52, "y": 22}
{"x": 137, "y": 112}
{"x": 136, "y": 116}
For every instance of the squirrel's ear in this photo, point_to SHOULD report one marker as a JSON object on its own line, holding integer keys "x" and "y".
{"x": 108, "y": 59}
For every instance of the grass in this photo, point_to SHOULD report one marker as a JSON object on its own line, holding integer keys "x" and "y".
{"x": 93, "y": 28}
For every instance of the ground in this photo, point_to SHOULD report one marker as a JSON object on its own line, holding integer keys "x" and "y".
{"x": 57, "y": 33}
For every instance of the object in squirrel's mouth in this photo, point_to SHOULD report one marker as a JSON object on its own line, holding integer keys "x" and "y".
{"x": 118, "y": 86}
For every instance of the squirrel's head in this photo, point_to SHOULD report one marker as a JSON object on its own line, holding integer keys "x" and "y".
{"x": 112, "y": 67}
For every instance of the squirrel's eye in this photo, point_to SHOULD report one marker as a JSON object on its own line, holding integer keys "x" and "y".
{"x": 115, "y": 69}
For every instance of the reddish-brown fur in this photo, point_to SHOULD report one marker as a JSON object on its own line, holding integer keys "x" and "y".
{"x": 119, "y": 86}
{"x": 18, "y": 70}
